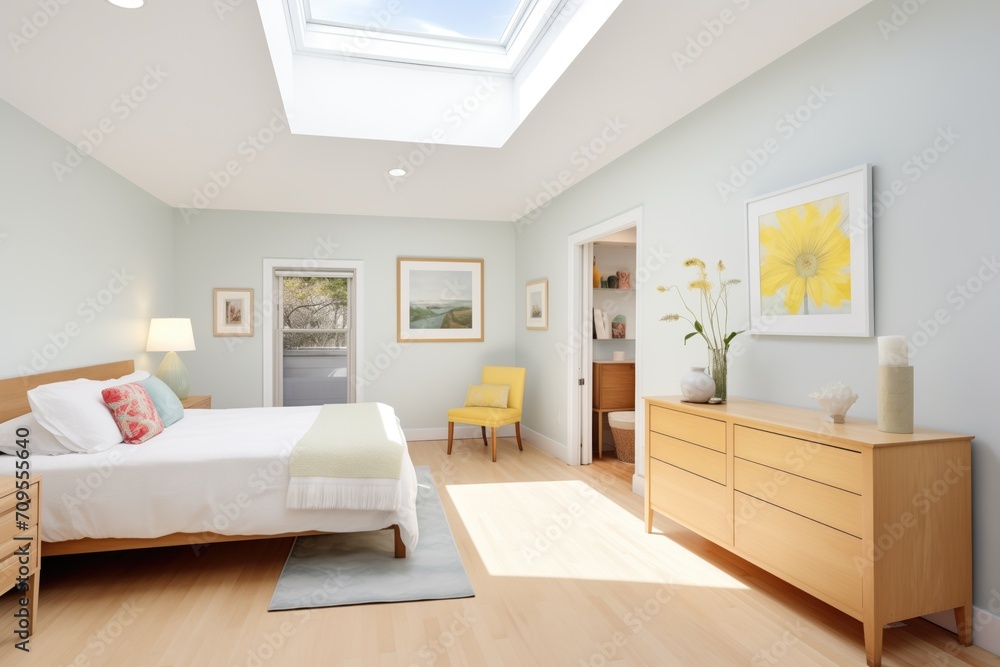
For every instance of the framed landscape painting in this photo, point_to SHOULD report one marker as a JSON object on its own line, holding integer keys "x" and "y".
{"x": 439, "y": 300}
{"x": 536, "y": 300}
{"x": 810, "y": 258}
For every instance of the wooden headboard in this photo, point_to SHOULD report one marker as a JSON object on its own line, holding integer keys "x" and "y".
{"x": 14, "y": 392}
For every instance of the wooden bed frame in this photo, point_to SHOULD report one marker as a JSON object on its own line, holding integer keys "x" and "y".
{"x": 14, "y": 403}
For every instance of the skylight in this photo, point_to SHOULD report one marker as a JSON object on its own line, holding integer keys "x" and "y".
{"x": 483, "y": 20}
{"x": 456, "y": 72}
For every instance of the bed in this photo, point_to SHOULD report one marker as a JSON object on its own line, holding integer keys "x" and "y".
{"x": 214, "y": 476}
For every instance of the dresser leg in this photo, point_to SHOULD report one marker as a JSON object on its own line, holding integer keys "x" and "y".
{"x": 873, "y": 644}
{"x": 32, "y": 602}
{"x": 963, "y": 620}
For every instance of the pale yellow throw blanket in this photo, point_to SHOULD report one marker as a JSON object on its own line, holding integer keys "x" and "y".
{"x": 349, "y": 459}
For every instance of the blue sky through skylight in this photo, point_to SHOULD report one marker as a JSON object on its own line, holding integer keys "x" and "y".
{"x": 475, "y": 19}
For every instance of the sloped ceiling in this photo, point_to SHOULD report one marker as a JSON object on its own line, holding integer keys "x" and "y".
{"x": 180, "y": 98}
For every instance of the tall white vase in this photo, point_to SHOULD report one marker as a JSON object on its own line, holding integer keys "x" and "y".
{"x": 697, "y": 386}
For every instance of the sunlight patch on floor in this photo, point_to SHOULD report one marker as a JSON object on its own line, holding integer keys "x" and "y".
{"x": 568, "y": 529}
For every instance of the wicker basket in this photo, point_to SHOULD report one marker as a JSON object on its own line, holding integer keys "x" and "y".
{"x": 623, "y": 430}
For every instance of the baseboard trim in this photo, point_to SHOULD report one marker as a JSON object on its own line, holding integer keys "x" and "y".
{"x": 985, "y": 626}
{"x": 461, "y": 433}
{"x": 545, "y": 444}
{"x": 638, "y": 484}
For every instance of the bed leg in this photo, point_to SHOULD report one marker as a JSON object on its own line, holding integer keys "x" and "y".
{"x": 400, "y": 547}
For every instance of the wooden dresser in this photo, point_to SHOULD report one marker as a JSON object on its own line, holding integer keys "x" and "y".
{"x": 20, "y": 545}
{"x": 614, "y": 389}
{"x": 879, "y": 525}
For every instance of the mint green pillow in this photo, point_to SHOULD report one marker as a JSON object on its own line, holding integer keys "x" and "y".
{"x": 167, "y": 405}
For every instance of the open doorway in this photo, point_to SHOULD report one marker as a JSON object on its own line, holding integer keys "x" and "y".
{"x": 612, "y": 246}
{"x": 613, "y": 393}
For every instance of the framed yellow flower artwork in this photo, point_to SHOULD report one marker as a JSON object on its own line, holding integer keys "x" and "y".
{"x": 810, "y": 258}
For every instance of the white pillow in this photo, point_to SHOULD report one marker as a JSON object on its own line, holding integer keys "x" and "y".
{"x": 75, "y": 413}
{"x": 40, "y": 441}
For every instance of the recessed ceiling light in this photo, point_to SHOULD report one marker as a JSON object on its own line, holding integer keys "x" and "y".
{"x": 127, "y": 4}
{"x": 397, "y": 172}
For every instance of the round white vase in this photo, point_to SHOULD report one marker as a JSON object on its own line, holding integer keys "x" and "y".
{"x": 697, "y": 386}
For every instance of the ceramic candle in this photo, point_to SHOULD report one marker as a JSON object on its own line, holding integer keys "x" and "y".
{"x": 892, "y": 351}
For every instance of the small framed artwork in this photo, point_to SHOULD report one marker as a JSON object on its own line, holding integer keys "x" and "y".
{"x": 232, "y": 310}
{"x": 810, "y": 258}
{"x": 439, "y": 300}
{"x": 536, "y": 298}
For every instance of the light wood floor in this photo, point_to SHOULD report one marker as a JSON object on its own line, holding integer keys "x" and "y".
{"x": 563, "y": 573}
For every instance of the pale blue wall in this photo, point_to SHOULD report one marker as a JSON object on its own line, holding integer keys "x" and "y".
{"x": 893, "y": 94}
{"x": 61, "y": 244}
{"x": 422, "y": 380}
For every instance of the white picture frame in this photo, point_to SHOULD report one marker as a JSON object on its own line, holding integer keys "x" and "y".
{"x": 232, "y": 311}
{"x": 810, "y": 262}
{"x": 536, "y": 305}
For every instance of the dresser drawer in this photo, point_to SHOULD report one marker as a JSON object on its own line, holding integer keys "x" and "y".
{"x": 693, "y": 458}
{"x": 8, "y": 573}
{"x": 702, "y": 431}
{"x": 822, "y": 463}
{"x": 9, "y": 547}
{"x": 694, "y": 501}
{"x": 9, "y": 508}
{"x": 817, "y": 558}
{"x": 829, "y": 505}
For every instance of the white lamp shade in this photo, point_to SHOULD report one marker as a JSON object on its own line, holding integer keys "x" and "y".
{"x": 170, "y": 334}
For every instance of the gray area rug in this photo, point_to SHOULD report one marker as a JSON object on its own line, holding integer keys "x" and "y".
{"x": 359, "y": 568}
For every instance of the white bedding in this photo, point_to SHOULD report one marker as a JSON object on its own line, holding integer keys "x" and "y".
{"x": 220, "y": 471}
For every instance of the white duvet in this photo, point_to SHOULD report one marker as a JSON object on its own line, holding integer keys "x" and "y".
{"x": 220, "y": 471}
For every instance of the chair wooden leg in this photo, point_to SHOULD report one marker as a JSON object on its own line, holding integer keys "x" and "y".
{"x": 517, "y": 431}
{"x": 485, "y": 444}
{"x": 451, "y": 434}
{"x": 494, "y": 444}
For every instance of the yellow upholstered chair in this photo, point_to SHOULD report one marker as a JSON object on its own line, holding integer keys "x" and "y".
{"x": 494, "y": 417}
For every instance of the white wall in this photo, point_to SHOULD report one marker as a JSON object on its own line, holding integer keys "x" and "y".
{"x": 421, "y": 380}
{"x": 886, "y": 96}
{"x": 84, "y": 262}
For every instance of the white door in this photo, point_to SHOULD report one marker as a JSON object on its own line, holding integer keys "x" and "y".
{"x": 585, "y": 357}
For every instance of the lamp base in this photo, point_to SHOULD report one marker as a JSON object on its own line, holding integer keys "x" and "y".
{"x": 175, "y": 375}
{"x": 895, "y": 399}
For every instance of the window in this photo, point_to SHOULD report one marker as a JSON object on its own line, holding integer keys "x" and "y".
{"x": 484, "y": 20}
{"x": 315, "y": 335}
{"x": 429, "y": 71}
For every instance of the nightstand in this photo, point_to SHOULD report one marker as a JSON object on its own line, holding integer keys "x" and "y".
{"x": 20, "y": 545}
{"x": 197, "y": 402}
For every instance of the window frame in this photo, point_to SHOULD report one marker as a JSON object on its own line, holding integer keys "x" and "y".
{"x": 273, "y": 321}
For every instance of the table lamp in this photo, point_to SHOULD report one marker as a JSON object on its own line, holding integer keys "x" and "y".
{"x": 171, "y": 335}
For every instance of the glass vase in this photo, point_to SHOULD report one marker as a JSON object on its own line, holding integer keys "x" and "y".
{"x": 718, "y": 366}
